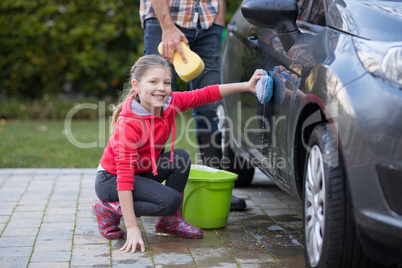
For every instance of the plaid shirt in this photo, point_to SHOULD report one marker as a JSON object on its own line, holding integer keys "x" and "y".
{"x": 183, "y": 12}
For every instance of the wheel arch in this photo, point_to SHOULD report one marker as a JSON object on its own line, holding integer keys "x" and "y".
{"x": 310, "y": 112}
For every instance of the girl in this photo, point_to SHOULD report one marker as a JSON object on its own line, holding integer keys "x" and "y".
{"x": 128, "y": 181}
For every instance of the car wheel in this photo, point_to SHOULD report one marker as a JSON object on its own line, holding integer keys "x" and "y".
{"x": 327, "y": 207}
{"x": 232, "y": 162}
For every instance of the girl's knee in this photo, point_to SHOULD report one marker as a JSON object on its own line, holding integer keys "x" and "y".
{"x": 182, "y": 158}
{"x": 181, "y": 153}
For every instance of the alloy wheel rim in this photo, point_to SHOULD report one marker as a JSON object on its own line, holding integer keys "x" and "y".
{"x": 314, "y": 205}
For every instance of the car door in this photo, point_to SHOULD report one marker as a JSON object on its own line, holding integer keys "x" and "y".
{"x": 265, "y": 131}
{"x": 258, "y": 129}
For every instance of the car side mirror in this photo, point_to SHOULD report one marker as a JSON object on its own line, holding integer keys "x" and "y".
{"x": 278, "y": 14}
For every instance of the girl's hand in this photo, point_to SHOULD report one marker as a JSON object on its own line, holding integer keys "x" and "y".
{"x": 233, "y": 88}
{"x": 134, "y": 237}
{"x": 253, "y": 80}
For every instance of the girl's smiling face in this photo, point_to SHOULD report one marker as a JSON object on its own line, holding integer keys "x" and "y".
{"x": 153, "y": 89}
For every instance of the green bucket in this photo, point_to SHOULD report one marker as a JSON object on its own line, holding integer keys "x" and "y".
{"x": 207, "y": 197}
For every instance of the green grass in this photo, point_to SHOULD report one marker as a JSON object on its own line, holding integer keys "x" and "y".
{"x": 27, "y": 144}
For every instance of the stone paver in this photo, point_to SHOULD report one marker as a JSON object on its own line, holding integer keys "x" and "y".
{"x": 46, "y": 220}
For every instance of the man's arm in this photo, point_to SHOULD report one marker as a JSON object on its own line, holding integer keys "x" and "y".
{"x": 221, "y": 17}
{"x": 171, "y": 35}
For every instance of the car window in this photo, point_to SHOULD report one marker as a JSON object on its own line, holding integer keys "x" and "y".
{"x": 312, "y": 11}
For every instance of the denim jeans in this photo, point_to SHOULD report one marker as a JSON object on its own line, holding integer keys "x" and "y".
{"x": 208, "y": 45}
{"x": 150, "y": 196}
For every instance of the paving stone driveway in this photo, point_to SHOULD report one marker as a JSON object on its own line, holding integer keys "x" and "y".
{"x": 46, "y": 221}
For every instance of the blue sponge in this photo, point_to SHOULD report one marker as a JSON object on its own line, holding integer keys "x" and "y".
{"x": 264, "y": 88}
{"x": 272, "y": 86}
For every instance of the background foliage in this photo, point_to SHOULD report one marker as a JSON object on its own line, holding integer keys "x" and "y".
{"x": 54, "y": 48}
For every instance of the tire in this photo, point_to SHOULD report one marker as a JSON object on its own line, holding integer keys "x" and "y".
{"x": 232, "y": 162}
{"x": 330, "y": 238}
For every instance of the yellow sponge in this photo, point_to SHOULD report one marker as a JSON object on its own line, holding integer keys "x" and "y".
{"x": 186, "y": 71}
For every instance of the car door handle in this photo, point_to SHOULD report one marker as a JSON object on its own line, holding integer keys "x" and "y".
{"x": 232, "y": 28}
{"x": 252, "y": 42}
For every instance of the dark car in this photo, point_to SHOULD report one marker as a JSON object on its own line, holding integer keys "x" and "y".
{"x": 331, "y": 133}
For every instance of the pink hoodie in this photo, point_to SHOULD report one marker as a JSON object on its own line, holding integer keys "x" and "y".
{"x": 139, "y": 137}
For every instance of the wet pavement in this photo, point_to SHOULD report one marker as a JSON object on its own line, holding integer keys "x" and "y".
{"x": 46, "y": 220}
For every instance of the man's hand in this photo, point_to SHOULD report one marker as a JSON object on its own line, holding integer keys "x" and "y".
{"x": 171, "y": 35}
{"x": 171, "y": 38}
